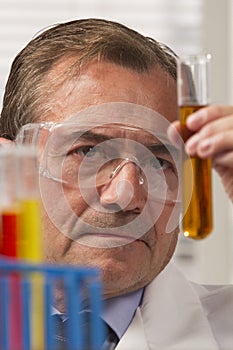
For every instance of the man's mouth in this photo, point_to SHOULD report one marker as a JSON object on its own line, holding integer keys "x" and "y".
{"x": 108, "y": 240}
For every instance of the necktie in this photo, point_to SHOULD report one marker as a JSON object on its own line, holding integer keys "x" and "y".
{"x": 60, "y": 327}
{"x": 111, "y": 339}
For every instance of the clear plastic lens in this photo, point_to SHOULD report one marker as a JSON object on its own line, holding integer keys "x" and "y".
{"x": 87, "y": 159}
{"x": 84, "y": 157}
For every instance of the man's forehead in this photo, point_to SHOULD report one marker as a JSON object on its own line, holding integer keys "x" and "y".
{"x": 94, "y": 86}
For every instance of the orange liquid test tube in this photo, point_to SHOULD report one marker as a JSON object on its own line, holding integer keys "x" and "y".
{"x": 197, "y": 220}
{"x": 196, "y": 175}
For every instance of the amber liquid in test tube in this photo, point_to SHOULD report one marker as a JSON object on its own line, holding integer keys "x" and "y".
{"x": 197, "y": 182}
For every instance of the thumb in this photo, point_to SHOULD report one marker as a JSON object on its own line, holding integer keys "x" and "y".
{"x": 174, "y": 133}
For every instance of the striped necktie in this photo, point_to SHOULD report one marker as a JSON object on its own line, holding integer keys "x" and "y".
{"x": 111, "y": 339}
{"x": 60, "y": 326}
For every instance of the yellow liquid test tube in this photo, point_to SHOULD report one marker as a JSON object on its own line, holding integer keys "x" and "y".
{"x": 30, "y": 242}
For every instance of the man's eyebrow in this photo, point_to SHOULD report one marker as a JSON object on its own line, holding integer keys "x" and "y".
{"x": 161, "y": 148}
{"x": 88, "y": 136}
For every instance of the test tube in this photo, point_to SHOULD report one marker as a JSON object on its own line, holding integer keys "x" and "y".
{"x": 8, "y": 204}
{"x": 30, "y": 247}
{"x": 192, "y": 83}
{"x": 9, "y": 219}
{"x": 30, "y": 236}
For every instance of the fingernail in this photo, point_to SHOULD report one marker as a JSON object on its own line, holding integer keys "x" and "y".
{"x": 205, "y": 147}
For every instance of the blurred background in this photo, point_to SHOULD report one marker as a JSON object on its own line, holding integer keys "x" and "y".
{"x": 188, "y": 27}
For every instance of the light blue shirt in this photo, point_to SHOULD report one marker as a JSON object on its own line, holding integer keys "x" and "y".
{"x": 119, "y": 311}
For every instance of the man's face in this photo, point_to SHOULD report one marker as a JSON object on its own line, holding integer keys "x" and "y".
{"x": 132, "y": 265}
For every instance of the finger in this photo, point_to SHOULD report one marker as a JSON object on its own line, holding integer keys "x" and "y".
{"x": 224, "y": 160}
{"x": 218, "y": 126}
{"x": 174, "y": 132}
{"x": 211, "y": 146}
{"x": 207, "y": 114}
{"x": 212, "y": 134}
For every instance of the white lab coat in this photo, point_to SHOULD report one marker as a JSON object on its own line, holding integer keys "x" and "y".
{"x": 179, "y": 315}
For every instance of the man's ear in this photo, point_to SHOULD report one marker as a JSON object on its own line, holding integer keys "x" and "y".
{"x": 5, "y": 142}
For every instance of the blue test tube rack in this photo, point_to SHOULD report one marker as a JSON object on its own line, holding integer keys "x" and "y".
{"x": 76, "y": 282}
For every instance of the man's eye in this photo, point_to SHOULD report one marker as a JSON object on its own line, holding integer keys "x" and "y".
{"x": 160, "y": 164}
{"x": 90, "y": 152}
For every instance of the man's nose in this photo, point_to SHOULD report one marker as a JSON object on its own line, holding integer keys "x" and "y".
{"x": 125, "y": 188}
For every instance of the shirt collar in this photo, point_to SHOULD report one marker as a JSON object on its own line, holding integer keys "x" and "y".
{"x": 119, "y": 311}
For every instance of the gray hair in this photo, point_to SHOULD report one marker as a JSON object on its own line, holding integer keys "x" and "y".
{"x": 87, "y": 39}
